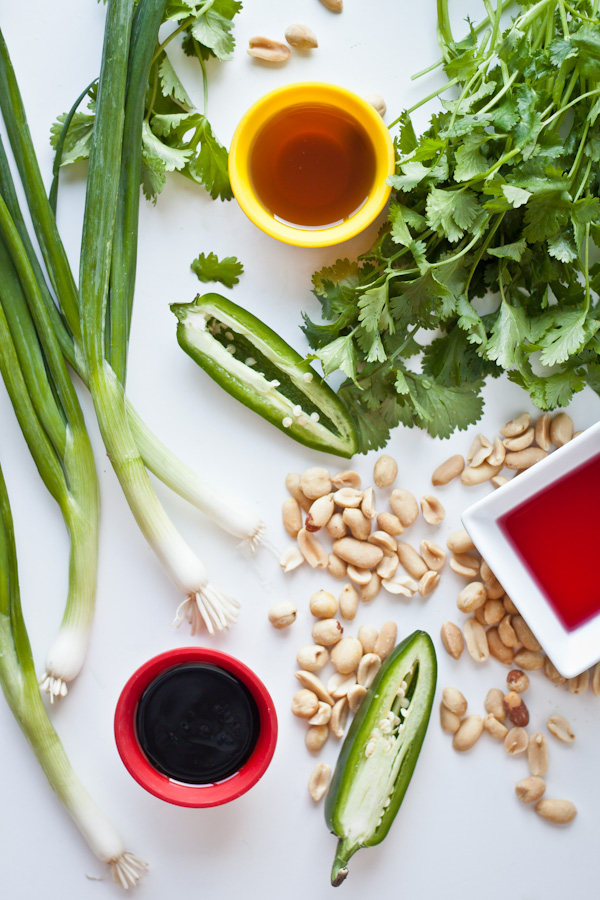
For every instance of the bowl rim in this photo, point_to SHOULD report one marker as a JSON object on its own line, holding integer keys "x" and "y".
{"x": 571, "y": 651}
{"x": 161, "y": 786}
{"x": 268, "y": 105}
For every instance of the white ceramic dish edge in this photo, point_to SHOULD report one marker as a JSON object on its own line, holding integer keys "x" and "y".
{"x": 572, "y": 652}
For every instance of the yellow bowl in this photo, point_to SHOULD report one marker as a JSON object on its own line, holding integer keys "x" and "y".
{"x": 306, "y": 93}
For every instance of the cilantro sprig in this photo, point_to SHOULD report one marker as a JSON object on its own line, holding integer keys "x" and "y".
{"x": 496, "y": 206}
{"x": 176, "y": 136}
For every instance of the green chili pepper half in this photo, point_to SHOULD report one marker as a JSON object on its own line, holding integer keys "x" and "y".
{"x": 380, "y": 751}
{"x": 253, "y": 364}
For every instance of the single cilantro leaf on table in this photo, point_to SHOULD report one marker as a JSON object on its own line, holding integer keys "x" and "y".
{"x": 210, "y": 268}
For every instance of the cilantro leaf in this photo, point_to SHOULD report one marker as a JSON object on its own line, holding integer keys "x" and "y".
{"x": 209, "y": 166}
{"x": 210, "y": 268}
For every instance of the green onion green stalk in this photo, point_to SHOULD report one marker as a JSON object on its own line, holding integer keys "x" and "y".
{"x": 20, "y": 687}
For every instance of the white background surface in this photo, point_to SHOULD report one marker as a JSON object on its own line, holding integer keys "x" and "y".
{"x": 461, "y": 832}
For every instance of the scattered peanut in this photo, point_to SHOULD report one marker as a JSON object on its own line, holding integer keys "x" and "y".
{"x": 266, "y": 49}
{"x": 516, "y": 741}
{"x": 464, "y": 564}
{"x": 460, "y": 542}
{"x": 386, "y": 640}
{"x": 434, "y": 555}
{"x": 518, "y": 681}
{"x": 368, "y": 668}
{"x": 339, "y": 717}
{"x": 291, "y": 515}
{"x": 290, "y": 559}
{"x": 315, "y": 482}
{"x": 468, "y": 733}
{"x": 479, "y": 450}
{"x": 370, "y": 590}
{"x": 305, "y": 703}
{"x": 293, "y": 484}
{"x": 561, "y": 729}
{"x": 336, "y": 527}
{"x": 348, "y": 601}
{"x": 428, "y": 583}
{"x": 530, "y": 659}
{"x": 367, "y": 635}
{"x": 558, "y": 811}
{"x": 346, "y": 479}
{"x": 358, "y": 553}
{"x": 410, "y": 560}
{"x": 448, "y": 470}
{"x": 301, "y": 37}
{"x": 385, "y": 471}
{"x": 312, "y": 658}
{"x": 455, "y": 701}
{"x": 494, "y": 704}
{"x": 530, "y": 789}
{"x": 282, "y": 614}
{"x": 355, "y": 696}
{"x": 498, "y": 649}
{"x": 336, "y": 566}
{"x": 390, "y": 523}
{"x": 561, "y": 429}
{"x": 377, "y": 102}
{"x": 359, "y": 525}
{"x": 316, "y": 737}
{"x": 476, "y": 640}
{"x": 525, "y": 634}
{"x": 524, "y": 459}
{"x": 542, "y": 432}
{"x": 478, "y": 474}
{"x": 334, "y": 5}
{"x": 404, "y": 506}
{"x": 319, "y": 781}
{"x": 312, "y": 683}
{"x": 323, "y": 605}
{"x": 516, "y": 709}
{"x": 312, "y": 550}
{"x": 327, "y": 632}
{"x": 432, "y": 509}
{"x": 537, "y": 754}
{"x": 322, "y": 715}
{"x": 449, "y": 721}
{"x": 516, "y": 426}
{"x": 494, "y": 727}
{"x": 320, "y": 513}
{"x": 348, "y": 498}
{"x": 471, "y": 597}
{"x": 452, "y": 639}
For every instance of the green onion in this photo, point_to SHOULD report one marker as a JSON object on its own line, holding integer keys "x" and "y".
{"x": 19, "y": 684}
{"x": 46, "y": 405}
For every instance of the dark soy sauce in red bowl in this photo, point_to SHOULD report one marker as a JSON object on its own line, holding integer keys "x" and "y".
{"x": 197, "y": 723}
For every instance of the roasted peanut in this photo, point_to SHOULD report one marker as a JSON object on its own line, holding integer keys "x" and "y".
{"x": 432, "y": 509}
{"x": 537, "y": 754}
{"x": 433, "y": 555}
{"x": 401, "y": 585}
{"x": 282, "y": 614}
{"x": 340, "y": 683}
{"x": 348, "y": 498}
{"x": 385, "y": 541}
{"x": 322, "y": 715}
{"x": 386, "y": 640}
{"x": 410, "y": 560}
{"x": 507, "y": 635}
{"x": 336, "y": 527}
{"x": 464, "y": 564}
{"x": 494, "y": 727}
{"x": 552, "y": 673}
{"x": 312, "y": 657}
{"x": 542, "y": 432}
{"x": 448, "y": 470}
{"x": 579, "y": 683}
{"x": 359, "y": 576}
{"x": 377, "y": 102}
{"x": 561, "y": 729}
{"x": 493, "y": 588}
{"x": 316, "y": 737}
{"x": 319, "y": 781}
{"x": 356, "y": 695}
{"x": 312, "y": 550}
{"x": 339, "y": 717}
{"x": 305, "y": 703}
{"x": 385, "y": 471}
{"x": 358, "y": 553}
{"x": 315, "y": 482}
{"x": 387, "y": 567}
{"x": 493, "y": 612}
{"x": 494, "y": 704}
{"x": 266, "y": 49}
{"x": 336, "y": 566}
{"x": 301, "y": 37}
{"x": 389, "y": 523}
{"x": 290, "y": 559}
{"x": 479, "y": 450}
{"x": 346, "y": 655}
{"x": 468, "y": 733}
{"x": 312, "y": 683}
{"x": 348, "y": 601}
{"x": 346, "y": 479}
{"x": 516, "y": 709}
{"x": 327, "y": 632}
{"x": 524, "y": 459}
{"x": 323, "y": 605}
{"x": 452, "y": 639}
{"x": 293, "y": 484}
{"x": 530, "y": 789}
{"x": 561, "y": 429}
{"x": 291, "y": 516}
{"x": 516, "y": 426}
{"x": 471, "y": 597}
{"x": 367, "y": 506}
{"x": 498, "y": 649}
{"x": 449, "y": 721}
{"x": 320, "y": 513}
{"x": 359, "y": 525}
{"x": 476, "y": 640}
{"x": 561, "y": 812}
{"x": 460, "y": 542}
{"x": 530, "y": 659}
{"x": 521, "y": 441}
{"x": 368, "y": 668}
{"x": 370, "y": 590}
{"x": 455, "y": 701}
{"x": 518, "y": 681}
{"x": 479, "y": 474}
{"x": 367, "y": 635}
{"x": 525, "y": 634}
{"x": 496, "y": 457}
{"x": 516, "y": 741}
{"x": 334, "y": 5}
{"x": 404, "y": 506}
{"x": 428, "y": 583}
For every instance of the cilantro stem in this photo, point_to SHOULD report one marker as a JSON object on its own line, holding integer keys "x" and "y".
{"x": 577, "y": 14}
{"x": 204, "y": 78}
{"x": 578, "y": 99}
{"x": 425, "y": 100}
{"x": 492, "y": 231}
{"x": 392, "y": 357}
{"x": 499, "y": 95}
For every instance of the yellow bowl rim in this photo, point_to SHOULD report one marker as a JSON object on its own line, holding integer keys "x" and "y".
{"x": 267, "y": 106}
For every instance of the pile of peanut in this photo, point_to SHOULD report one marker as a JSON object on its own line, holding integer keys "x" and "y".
{"x": 371, "y": 558}
{"x": 500, "y": 707}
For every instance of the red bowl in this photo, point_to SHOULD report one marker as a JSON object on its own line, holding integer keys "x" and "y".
{"x": 161, "y": 786}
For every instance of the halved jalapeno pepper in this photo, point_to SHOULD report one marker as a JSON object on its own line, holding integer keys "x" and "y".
{"x": 256, "y": 366}
{"x": 380, "y": 751}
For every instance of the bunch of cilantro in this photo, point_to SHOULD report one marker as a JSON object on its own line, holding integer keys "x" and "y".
{"x": 176, "y": 136}
{"x": 485, "y": 263}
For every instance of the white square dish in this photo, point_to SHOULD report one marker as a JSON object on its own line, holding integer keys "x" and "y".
{"x": 573, "y": 646}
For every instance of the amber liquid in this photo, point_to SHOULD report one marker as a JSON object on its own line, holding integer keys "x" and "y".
{"x": 312, "y": 166}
